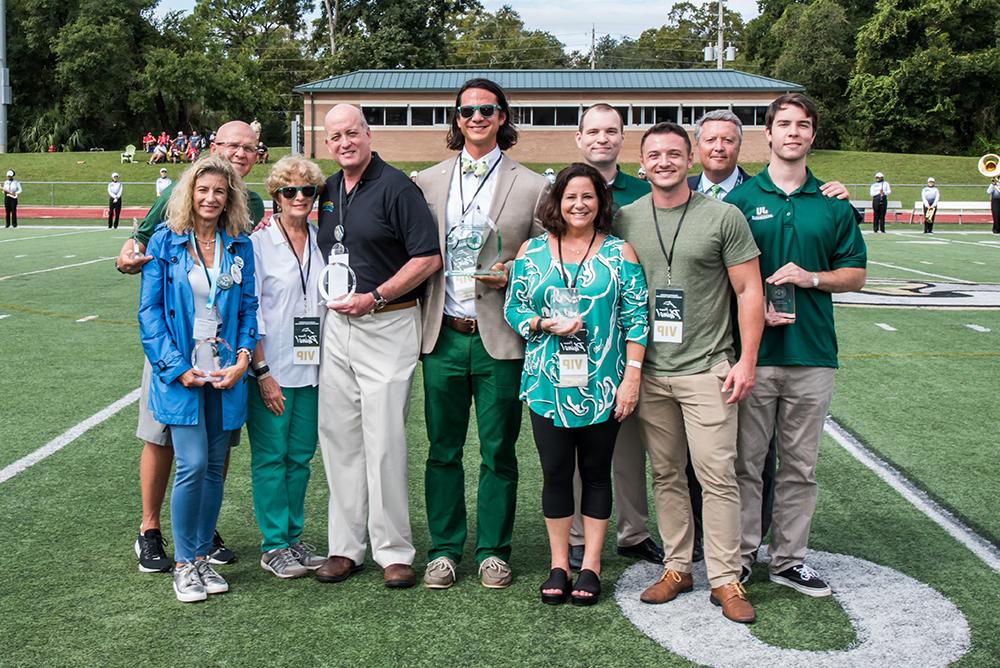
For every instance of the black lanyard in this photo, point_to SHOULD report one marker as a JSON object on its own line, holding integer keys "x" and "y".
{"x": 340, "y": 204}
{"x": 669, "y": 256}
{"x": 461, "y": 189}
{"x": 562, "y": 267}
{"x": 298, "y": 263}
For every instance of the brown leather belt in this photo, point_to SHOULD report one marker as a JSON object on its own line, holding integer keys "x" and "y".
{"x": 399, "y": 306}
{"x": 461, "y": 325}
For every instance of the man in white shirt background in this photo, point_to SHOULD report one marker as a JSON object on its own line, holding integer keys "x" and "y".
{"x": 115, "y": 189}
{"x": 11, "y": 191}
{"x": 879, "y": 192}
{"x": 162, "y": 182}
{"x": 930, "y": 196}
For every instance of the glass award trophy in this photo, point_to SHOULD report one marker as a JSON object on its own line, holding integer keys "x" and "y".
{"x": 211, "y": 355}
{"x": 780, "y": 298}
{"x": 564, "y": 304}
{"x": 467, "y": 241}
{"x": 337, "y": 281}
{"x": 135, "y": 242}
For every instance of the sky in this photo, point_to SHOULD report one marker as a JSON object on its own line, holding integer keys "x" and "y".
{"x": 571, "y": 21}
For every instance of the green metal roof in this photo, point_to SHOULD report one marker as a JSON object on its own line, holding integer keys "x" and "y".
{"x": 550, "y": 80}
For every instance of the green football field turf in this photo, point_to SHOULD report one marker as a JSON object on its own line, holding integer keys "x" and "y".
{"x": 921, "y": 397}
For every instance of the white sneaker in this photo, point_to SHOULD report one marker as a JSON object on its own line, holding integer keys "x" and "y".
{"x": 282, "y": 563}
{"x": 306, "y": 555}
{"x": 187, "y": 584}
{"x": 212, "y": 581}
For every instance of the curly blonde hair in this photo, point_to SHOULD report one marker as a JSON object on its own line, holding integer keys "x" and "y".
{"x": 235, "y": 218}
{"x": 294, "y": 170}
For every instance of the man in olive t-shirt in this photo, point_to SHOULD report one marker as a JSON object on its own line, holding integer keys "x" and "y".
{"x": 812, "y": 245}
{"x": 696, "y": 252}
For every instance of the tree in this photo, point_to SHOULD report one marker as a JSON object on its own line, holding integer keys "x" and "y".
{"x": 918, "y": 80}
{"x": 500, "y": 40}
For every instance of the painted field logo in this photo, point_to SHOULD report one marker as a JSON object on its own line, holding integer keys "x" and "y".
{"x": 897, "y": 621}
{"x": 888, "y": 292}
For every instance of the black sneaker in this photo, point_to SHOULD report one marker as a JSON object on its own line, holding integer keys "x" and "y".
{"x": 149, "y": 549}
{"x": 802, "y": 579}
{"x": 220, "y": 554}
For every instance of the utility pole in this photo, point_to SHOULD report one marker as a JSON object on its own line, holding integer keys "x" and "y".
{"x": 593, "y": 45}
{"x": 4, "y": 77}
{"x": 718, "y": 48}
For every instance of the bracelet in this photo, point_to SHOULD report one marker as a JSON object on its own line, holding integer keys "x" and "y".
{"x": 635, "y": 364}
{"x": 261, "y": 371}
{"x": 259, "y": 365}
{"x": 262, "y": 376}
{"x": 245, "y": 350}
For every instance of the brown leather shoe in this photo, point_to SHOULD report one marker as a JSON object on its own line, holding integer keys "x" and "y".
{"x": 670, "y": 584}
{"x": 337, "y": 569}
{"x": 399, "y": 576}
{"x": 733, "y": 599}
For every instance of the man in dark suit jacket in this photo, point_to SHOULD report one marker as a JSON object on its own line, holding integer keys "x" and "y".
{"x": 469, "y": 351}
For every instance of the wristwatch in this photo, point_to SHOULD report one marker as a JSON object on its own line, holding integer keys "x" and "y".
{"x": 380, "y": 302}
{"x": 815, "y": 280}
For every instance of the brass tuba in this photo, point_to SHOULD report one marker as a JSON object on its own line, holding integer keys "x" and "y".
{"x": 989, "y": 165}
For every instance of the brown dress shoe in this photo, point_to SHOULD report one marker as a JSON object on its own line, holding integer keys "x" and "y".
{"x": 670, "y": 584}
{"x": 399, "y": 576}
{"x": 733, "y": 599}
{"x": 337, "y": 569}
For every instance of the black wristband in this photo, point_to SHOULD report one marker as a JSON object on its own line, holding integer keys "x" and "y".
{"x": 261, "y": 370}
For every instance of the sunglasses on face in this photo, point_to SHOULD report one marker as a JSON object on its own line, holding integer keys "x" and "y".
{"x": 289, "y": 192}
{"x": 487, "y": 110}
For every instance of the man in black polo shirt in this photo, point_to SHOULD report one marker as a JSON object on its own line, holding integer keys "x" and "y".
{"x": 371, "y": 343}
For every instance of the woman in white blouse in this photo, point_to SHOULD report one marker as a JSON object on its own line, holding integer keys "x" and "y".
{"x": 284, "y": 389}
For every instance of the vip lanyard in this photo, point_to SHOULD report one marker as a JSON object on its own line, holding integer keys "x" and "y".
{"x": 461, "y": 189}
{"x": 213, "y": 275}
{"x": 562, "y": 267}
{"x": 303, "y": 279}
{"x": 340, "y": 205}
{"x": 669, "y": 256}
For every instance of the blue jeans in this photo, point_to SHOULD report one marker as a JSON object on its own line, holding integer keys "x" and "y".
{"x": 200, "y": 453}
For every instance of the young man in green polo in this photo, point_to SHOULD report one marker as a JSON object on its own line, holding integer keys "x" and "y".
{"x": 811, "y": 247}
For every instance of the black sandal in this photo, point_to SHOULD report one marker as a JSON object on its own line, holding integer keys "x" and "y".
{"x": 589, "y": 582}
{"x": 558, "y": 579}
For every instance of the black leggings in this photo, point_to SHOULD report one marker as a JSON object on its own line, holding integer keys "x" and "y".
{"x": 10, "y": 206}
{"x": 561, "y": 450}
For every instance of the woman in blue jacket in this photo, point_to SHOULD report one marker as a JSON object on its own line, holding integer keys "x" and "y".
{"x": 197, "y": 319}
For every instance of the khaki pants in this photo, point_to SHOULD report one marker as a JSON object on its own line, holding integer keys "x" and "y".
{"x": 796, "y": 400}
{"x": 631, "y": 504}
{"x": 364, "y": 392}
{"x": 682, "y": 414}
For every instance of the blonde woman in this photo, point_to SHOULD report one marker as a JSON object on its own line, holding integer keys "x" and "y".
{"x": 284, "y": 390}
{"x": 199, "y": 288}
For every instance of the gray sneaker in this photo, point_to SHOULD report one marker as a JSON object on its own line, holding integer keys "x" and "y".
{"x": 495, "y": 573}
{"x": 212, "y": 581}
{"x": 440, "y": 573}
{"x": 306, "y": 555}
{"x": 187, "y": 584}
{"x": 282, "y": 562}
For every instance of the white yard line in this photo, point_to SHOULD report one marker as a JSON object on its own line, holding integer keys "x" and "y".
{"x": 87, "y": 318}
{"x": 47, "y": 236}
{"x": 64, "y": 439}
{"x": 66, "y": 257}
{"x": 18, "y": 257}
{"x": 4, "y": 315}
{"x": 922, "y": 273}
{"x": 888, "y": 328}
{"x": 978, "y": 328}
{"x": 65, "y": 266}
{"x": 979, "y": 546}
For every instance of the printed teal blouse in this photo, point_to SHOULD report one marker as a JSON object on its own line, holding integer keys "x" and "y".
{"x": 614, "y": 310}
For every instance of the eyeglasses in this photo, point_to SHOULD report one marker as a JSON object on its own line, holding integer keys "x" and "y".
{"x": 289, "y": 192}
{"x": 487, "y": 110}
{"x": 235, "y": 147}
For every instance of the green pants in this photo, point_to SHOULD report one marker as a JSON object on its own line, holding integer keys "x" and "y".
{"x": 281, "y": 449}
{"x": 458, "y": 371}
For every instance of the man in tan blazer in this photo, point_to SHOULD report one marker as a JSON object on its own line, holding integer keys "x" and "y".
{"x": 469, "y": 351}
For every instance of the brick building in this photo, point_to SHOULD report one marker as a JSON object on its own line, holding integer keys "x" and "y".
{"x": 409, "y": 110}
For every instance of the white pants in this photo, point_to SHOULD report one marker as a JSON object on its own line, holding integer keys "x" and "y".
{"x": 364, "y": 394}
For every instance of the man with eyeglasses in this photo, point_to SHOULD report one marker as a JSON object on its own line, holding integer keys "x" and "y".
{"x": 469, "y": 351}
{"x": 371, "y": 342}
{"x": 235, "y": 142}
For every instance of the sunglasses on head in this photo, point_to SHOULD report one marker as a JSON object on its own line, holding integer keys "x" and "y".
{"x": 469, "y": 110}
{"x": 289, "y": 192}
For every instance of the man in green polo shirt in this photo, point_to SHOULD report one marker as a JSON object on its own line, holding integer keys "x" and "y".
{"x": 235, "y": 142}
{"x": 810, "y": 245}
{"x": 600, "y": 138}
{"x": 696, "y": 252}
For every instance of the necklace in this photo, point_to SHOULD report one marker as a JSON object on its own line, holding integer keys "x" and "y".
{"x": 208, "y": 243}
